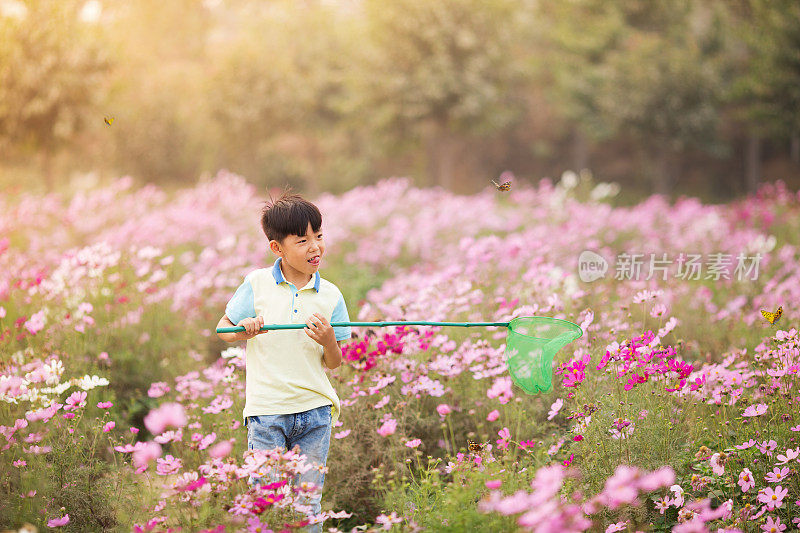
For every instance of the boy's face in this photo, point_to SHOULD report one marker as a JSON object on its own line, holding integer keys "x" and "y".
{"x": 301, "y": 253}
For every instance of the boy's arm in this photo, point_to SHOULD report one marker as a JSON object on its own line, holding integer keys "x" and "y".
{"x": 332, "y": 356}
{"x": 225, "y": 322}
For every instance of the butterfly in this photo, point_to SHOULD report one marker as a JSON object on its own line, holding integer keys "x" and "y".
{"x": 474, "y": 446}
{"x": 772, "y": 317}
{"x": 505, "y": 186}
{"x": 108, "y": 120}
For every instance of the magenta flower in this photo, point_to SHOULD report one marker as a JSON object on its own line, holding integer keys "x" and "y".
{"x": 443, "y": 409}
{"x": 494, "y": 415}
{"x": 109, "y": 426}
{"x": 413, "y": 443}
{"x": 746, "y": 481}
{"x": 773, "y": 498}
{"x": 58, "y": 522}
{"x": 104, "y": 405}
{"x": 342, "y": 434}
{"x": 493, "y": 484}
{"x": 167, "y": 415}
{"x": 388, "y": 428}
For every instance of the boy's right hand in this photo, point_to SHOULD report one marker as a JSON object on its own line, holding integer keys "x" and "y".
{"x": 252, "y": 326}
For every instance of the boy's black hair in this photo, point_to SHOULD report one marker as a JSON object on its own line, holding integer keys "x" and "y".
{"x": 290, "y": 214}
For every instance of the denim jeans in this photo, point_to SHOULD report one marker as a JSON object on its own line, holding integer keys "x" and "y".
{"x": 310, "y": 430}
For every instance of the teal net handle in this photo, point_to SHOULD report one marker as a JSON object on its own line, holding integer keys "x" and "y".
{"x": 267, "y": 327}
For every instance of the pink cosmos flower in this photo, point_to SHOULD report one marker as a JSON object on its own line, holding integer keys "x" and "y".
{"x": 777, "y": 475}
{"x": 168, "y": 465}
{"x": 791, "y": 454}
{"x": 716, "y": 467}
{"x": 145, "y": 454}
{"x": 662, "y": 504}
{"x": 167, "y": 415}
{"x": 755, "y": 410}
{"x": 773, "y": 498}
{"x": 619, "y": 526}
{"x": 795, "y": 428}
{"x": 555, "y": 408}
{"x": 663, "y": 477}
{"x": 443, "y": 409}
{"x": 76, "y": 400}
{"x": 413, "y": 443}
{"x": 505, "y": 435}
{"x": 221, "y": 449}
{"x": 493, "y": 484}
{"x": 767, "y": 447}
{"x": 342, "y": 434}
{"x": 746, "y": 481}
{"x": 773, "y": 526}
{"x": 104, "y": 405}
{"x": 745, "y": 445}
{"x": 34, "y": 325}
{"x": 109, "y": 426}
{"x": 58, "y": 522}
{"x": 678, "y": 500}
{"x": 387, "y": 521}
{"x": 494, "y": 415}
{"x": 621, "y": 487}
{"x": 388, "y": 428}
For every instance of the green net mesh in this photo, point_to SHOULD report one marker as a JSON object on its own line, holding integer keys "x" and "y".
{"x": 531, "y": 344}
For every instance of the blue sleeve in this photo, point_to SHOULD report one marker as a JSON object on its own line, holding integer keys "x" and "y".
{"x": 340, "y": 315}
{"x": 242, "y": 304}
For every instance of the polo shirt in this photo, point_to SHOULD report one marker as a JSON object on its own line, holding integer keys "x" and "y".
{"x": 284, "y": 369}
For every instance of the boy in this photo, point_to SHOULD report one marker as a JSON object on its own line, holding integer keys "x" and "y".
{"x": 288, "y": 398}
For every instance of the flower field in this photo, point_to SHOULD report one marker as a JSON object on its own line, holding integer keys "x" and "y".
{"x": 675, "y": 411}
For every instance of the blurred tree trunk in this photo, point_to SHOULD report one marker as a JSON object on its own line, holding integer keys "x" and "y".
{"x": 794, "y": 149}
{"x": 753, "y": 162}
{"x": 46, "y": 165}
{"x": 664, "y": 177}
{"x": 580, "y": 150}
{"x": 443, "y": 152}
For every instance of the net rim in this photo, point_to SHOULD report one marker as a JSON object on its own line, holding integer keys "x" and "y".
{"x": 520, "y": 318}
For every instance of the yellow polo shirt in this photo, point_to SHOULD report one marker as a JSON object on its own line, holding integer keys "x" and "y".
{"x": 284, "y": 370}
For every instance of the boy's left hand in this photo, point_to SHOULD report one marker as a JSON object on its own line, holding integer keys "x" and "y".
{"x": 320, "y": 330}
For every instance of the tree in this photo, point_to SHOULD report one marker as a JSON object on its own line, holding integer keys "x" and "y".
{"x": 51, "y": 74}
{"x": 276, "y": 94}
{"x": 434, "y": 72}
{"x": 766, "y": 95}
{"x": 649, "y": 72}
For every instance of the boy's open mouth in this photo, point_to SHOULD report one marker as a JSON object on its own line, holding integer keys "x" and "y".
{"x": 314, "y": 260}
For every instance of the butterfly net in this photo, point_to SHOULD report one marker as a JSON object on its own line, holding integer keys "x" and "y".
{"x": 531, "y": 344}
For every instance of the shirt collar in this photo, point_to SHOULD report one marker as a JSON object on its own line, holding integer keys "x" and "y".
{"x": 278, "y": 275}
